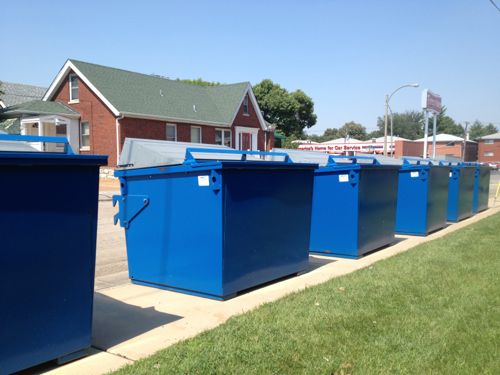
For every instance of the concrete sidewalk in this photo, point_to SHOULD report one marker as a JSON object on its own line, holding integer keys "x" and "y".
{"x": 132, "y": 322}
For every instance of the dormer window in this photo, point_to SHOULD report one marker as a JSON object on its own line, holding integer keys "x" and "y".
{"x": 73, "y": 88}
{"x": 245, "y": 105}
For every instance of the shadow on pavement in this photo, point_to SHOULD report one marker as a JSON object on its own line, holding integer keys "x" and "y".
{"x": 116, "y": 321}
{"x": 316, "y": 262}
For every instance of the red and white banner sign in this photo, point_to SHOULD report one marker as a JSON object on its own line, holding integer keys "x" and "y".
{"x": 340, "y": 148}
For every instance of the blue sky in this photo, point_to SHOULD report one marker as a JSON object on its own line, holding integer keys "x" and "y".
{"x": 345, "y": 54}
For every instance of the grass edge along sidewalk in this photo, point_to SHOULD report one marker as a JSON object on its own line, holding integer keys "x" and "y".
{"x": 434, "y": 309}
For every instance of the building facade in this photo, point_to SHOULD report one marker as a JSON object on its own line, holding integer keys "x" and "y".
{"x": 489, "y": 149}
{"x": 114, "y": 104}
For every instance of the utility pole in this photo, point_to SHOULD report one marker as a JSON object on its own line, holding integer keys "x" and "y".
{"x": 464, "y": 145}
{"x": 385, "y": 124}
{"x": 426, "y": 134}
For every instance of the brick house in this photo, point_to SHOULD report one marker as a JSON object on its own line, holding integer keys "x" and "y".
{"x": 114, "y": 104}
{"x": 489, "y": 149}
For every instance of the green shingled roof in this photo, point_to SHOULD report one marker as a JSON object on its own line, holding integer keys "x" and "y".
{"x": 149, "y": 95}
{"x": 38, "y": 107}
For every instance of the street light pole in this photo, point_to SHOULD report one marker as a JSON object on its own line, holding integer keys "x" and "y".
{"x": 385, "y": 124}
{"x": 387, "y": 99}
{"x": 391, "y": 147}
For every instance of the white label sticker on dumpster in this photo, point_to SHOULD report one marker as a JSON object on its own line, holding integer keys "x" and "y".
{"x": 450, "y": 174}
{"x": 343, "y": 178}
{"x": 203, "y": 181}
{"x": 414, "y": 174}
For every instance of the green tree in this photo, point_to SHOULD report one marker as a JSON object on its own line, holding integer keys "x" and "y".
{"x": 288, "y": 142}
{"x": 328, "y": 134}
{"x": 374, "y": 134}
{"x": 478, "y": 129}
{"x": 198, "y": 82}
{"x": 490, "y": 129}
{"x": 290, "y": 112}
{"x": 352, "y": 129}
{"x": 408, "y": 125}
{"x": 445, "y": 124}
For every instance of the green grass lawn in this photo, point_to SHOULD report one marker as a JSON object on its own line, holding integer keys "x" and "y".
{"x": 432, "y": 310}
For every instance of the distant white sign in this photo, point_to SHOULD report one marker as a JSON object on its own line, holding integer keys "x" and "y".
{"x": 431, "y": 102}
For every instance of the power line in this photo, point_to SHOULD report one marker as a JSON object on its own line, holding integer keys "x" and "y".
{"x": 496, "y": 6}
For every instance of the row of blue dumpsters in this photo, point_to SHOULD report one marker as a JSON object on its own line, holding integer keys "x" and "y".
{"x": 210, "y": 222}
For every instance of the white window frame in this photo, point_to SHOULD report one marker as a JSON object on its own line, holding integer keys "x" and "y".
{"x": 166, "y": 131}
{"x": 246, "y": 107}
{"x": 191, "y": 134}
{"x": 489, "y": 154}
{"x": 84, "y": 148}
{"x": 489, "y": 141}
{"x": 242, "y": 129}
{"x": 71, "y": 99}
{"x": 226, "y": 131}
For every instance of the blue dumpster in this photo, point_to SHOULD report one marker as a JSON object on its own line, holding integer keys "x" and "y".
{"x": 422, "y": 196}
{"x": 215, "y": 221}
{"x": 48, "y": 223}
{"x": 481, "y": 188}
{"x": 354, "y": 206}
{"x": 460, "y": 191}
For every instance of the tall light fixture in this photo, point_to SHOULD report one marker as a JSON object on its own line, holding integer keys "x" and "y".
{"x": 387, "y": 100}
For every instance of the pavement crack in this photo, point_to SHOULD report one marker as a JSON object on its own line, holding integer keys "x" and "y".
{"x": 115, "y": 354}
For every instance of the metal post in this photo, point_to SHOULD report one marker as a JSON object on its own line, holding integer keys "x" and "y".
{"x": 426, "y": 134}
{"x": 464, "y": 145}
{"x": 434, "y": 126}
{"x": 391, "y": 145}
{"x": 385, "y": 124}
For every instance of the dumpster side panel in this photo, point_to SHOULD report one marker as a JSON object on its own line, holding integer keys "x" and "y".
{"x": 334, "y": 213}
{"x": 437, "y": 203}
{"x": 481, "y": 189}
{"x": 378, "y": 189}
{"x": 460, "y": 193}
{"x": 466, "y": 192}
{"x": 48, "y": 224}
{"x": 267, "y": 218}
{"x": 411, "y": 215}
{"x": 176, "y": 241}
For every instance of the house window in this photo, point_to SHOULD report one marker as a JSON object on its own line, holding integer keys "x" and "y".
{"x": 245, "y": 105}
{"x": 195, "y": 134}
{"x": 223, "y": 137}
{"x": 489, "y": 141}
{"x": 488, "y": 153}
{"x": 61, "y": 130}
{"x": 73, "y": 88}
{"x": 84, "y": 135}
{"x": 171, "y": 132}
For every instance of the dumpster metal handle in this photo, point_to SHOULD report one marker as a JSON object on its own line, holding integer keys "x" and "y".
{"x": 38, "y": 138}
{"x": 130, "y": 206}
{"x": 409, "y": 159}
{"x": 189, "y": 158}
{"x": 331, "y": 159}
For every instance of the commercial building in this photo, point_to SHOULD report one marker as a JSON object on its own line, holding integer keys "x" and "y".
{"x": 447, "y": 146}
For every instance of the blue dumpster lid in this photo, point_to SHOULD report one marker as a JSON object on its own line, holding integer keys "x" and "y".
{"x": 22, "y": 150}
{"x": 142, "y": 156}
{"x": 410, "y": 162}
